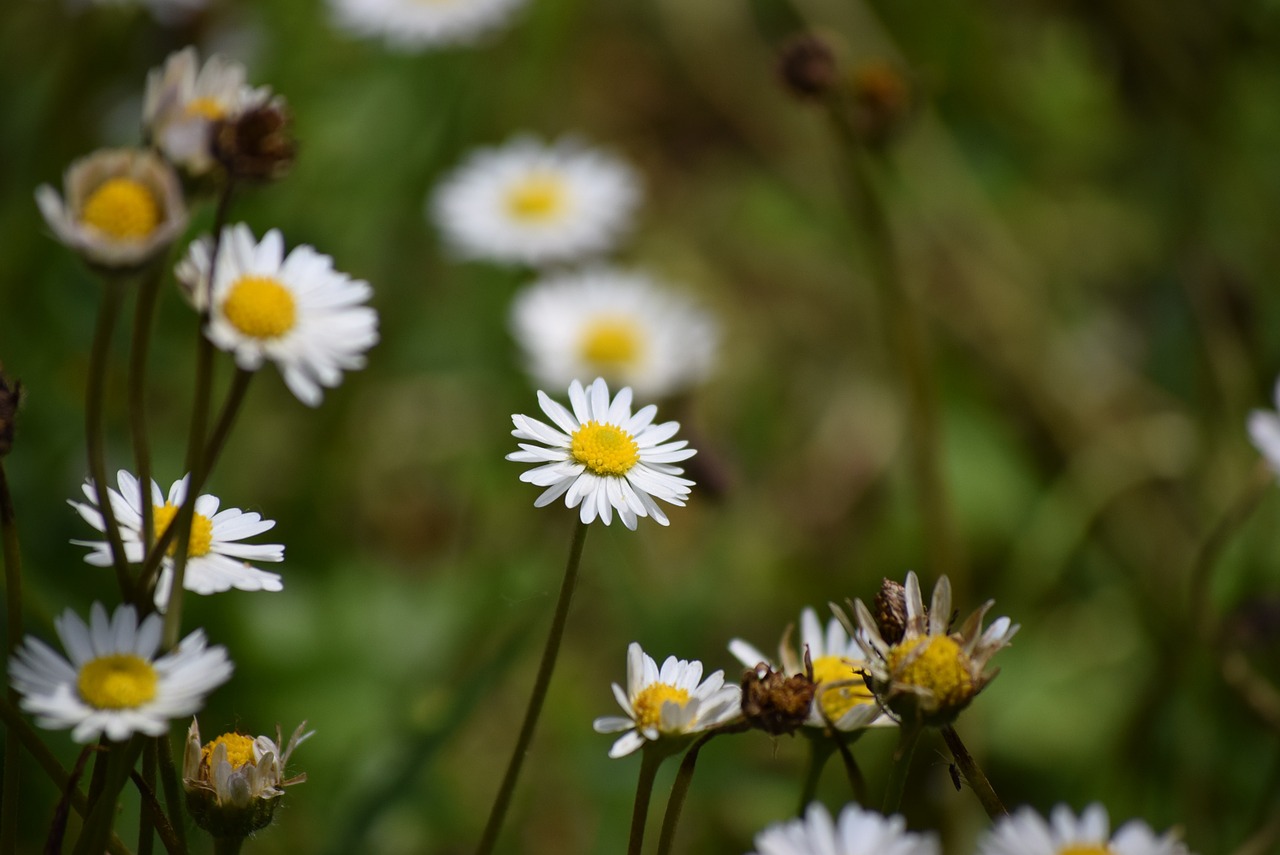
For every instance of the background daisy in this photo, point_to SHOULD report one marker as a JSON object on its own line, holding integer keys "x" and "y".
{"x": 418, "y": 25}
{"x": 857, "y": 832}
{"x": 1027, "y": 833}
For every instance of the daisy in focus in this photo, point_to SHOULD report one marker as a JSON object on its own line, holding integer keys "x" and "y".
{"x": 1027, "y": 833}
{"x": 111, "y": 682}
{"x": 615, "y": 324}
{"x": 295, "y": 310}
{"x": 856, "y": 832}
{"x": 120, "y": 208}
{"x": 216, "y": 559}
{"x": 417, "y": 25}
{"x": 667, "y": 702}
{"x": 602, "y": 458}
{"x": 535, "y": 204}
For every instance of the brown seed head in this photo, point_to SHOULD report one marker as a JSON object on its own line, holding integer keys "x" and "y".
{"x": 774, "y": 702}
{"x": 807, "y": 66}
{"x": 257, "y": 145}
{"x": 891, "y": 611}
{"x": 882, "y": 100}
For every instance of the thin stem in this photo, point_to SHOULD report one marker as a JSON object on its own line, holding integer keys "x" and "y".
{"x": 498, "y": 813}
{"x": 172, "y": 791}
{"x": 97, "y": 826}
{"x": 226, "y": 418}
{"x": 95, "y": 437}
{"x": 153, "y": 816}
{"x": 973, "y": 773}
{"x": 144, "y": 311}
{"x": 146, "y": 783}
{"x": 680, "y": 788}
{"x": 820, "y": 751}
{"x": 1207, "y": 556}
{"x": 13, "y": 613}
{"x": 650, "y": 759}
{"x": 856, "y": 781}
{"x": 908, "y": 736}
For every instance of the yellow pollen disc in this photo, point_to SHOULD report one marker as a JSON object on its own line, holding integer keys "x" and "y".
{"x": 610, "y": 342}
{"x": 605, "y": 449}
{"x": 537, "y": 197}
{"x": 201, "y": 531}
{"x": 1085, "y": 849}
{"x": 942, "y": 668}
{"x": 120, "y": 681}
{"x": 838, "y": 701}
{"x": 648, "y": 704}
{"x": 239, "y": 750}
{"x": 260, "y": 307}
{"x": 122, "y": 208}
{"x": 205, "y": 108}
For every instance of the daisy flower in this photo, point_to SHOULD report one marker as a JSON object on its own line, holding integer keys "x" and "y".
{"x": 113, "y": 683}
{"x": 602, "y": 458}
{"x": 666, "y": 703}
{"x": 216, "y": 559}
{"x": 856, "y": 832}
{"x": 536, "y": 204}
{"x": 120, "y": 208}
{"x": 842, "y": 699}
{"x": 918, "y": 669}
{"x": 296, "y": 311}
{"x": 1264, "y": 430}
{"x": 1027, "y": 833}
{"x": 615, "y": 324}
{"x": 416, "y": 25}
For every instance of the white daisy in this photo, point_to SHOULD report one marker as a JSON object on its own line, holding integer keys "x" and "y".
{"x": 216, "y": 560}
{"x": 420, "y": 24}
{"x": 841, "y": 698}
{"x": 113, "y": 683}
{"x": 856, "y": 832}
{"x": 1027, "y": 833}
{"x": 603, "y": 458}
{"x": 183, "y": 99}
{"x": 120, "y": 208}
{"x": 666, "y": 703}
{"x": 614, "y": 324}
{"x": 535, "y": 204}
{"x": 295, "y": 311}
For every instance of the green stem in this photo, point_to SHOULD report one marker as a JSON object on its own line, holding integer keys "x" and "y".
{"x": 973, "y": 774}
{"x": 908, "y": 736}
{"x": 820, "y": 751}
{"x": 1207, "y": 556}
{"x": 226, "y": 418}
{"x": 152, "y": 815}
{"x": 144, "y": 311}
{"x": 13, "y": 625}
{"x": 95, "y": 436}
{"x": 498, "y": 813}
{"x": 680, "y": 789}
{"x": 146, "y": 782}
{"x": 856, "y": 781}
{"x": 97, "y": 826}
{"x": 172, "y": 790}
{"x": 650, "y": 759}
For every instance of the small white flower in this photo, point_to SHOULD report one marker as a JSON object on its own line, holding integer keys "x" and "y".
{"x": 113, "y": 684}
{"x": 216, "y": 559}
{"x": 666, "y": 703}
{"x": 421, "y": 24}
{"x": 614, "y": 324}
{"x": 857, "y": 832}
{"x": 602, "y": 457}
{"x": 535, "y": 204}
{"x": 295, "y": 311}
{"x": 1027, "y": 833}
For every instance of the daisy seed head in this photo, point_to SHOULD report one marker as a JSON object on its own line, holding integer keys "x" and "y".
{"x": 774, "y": 702}
{"x": 256, "y": 145}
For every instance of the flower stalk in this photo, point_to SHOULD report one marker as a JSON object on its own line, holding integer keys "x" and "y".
{"x": 95, "y": 436}
{"x": 973, "y": 773}
{"x": 650, "y": 759}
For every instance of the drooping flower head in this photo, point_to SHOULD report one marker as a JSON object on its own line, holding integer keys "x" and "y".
{"x": 667, "y": 703}
{"x": 111, "y": 681}
{"x": 857, "y": 832}
{"x": 413, "y": 25}
{"x": 602, "y": 458}
{"x": 1025, "y": 832}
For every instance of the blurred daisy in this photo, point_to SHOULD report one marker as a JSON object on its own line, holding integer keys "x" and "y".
{"x": 928, "y": 674}
{"x": 856, "y": 832}
{"x": 296, "y": 311}
{"x": 182, "y": 101}
{"x": 120, "y": 208}
{"x": 1026, "y": 833}
{"x": 1264, "y": 430}
{"x": 613, "y": 324}
{"x": 421, "y": 24}
{"x": 113, "y": 684}
{"x": 673, "y": 701}
{"x": 216, "y": 560}
{"x": 536, "y": 204}
{"x": 841, "y": 697}
{"x": 602, "y": 457}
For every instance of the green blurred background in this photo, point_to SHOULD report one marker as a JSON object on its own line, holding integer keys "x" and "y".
{"x": 1085, "y": 200}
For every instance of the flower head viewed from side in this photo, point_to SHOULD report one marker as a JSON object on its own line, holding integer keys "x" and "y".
{"x": 111, "y": 682}
{"x": 614, "y": 324}
{"x": 929, "y": 674}
{"x": 535, "y": 204}
{"x": 412, "y": 25}
{"x": 120, "y": 208}
{"x": 295, "y": 310}
{"x": 216, "y": 559}
{"x": 602, "y": 458}
{"x": 668, "y": 702}
{"x": 1025, "y": 832}
{"x": 856, "y": 832}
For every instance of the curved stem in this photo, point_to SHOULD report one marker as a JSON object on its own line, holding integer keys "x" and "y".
{"x": 172, "y": 791}
{"x": 144, "y": 311}
{"x": 498, "y": 813}
{"x": 226, "y": 419}
{"x": 856, "y": 781}
{"x": 95, "y": 394}
{"x": 973, "y": 774}
{"x": 97, "y": 825}
{"x": 820, "y": 750}
{"x": 650, "y": 759}
{"x": 13, "y": 613}
{"x": 908, "y": 736}
{"x": 680, "y": 789}
{"x": 1207, "y": 555}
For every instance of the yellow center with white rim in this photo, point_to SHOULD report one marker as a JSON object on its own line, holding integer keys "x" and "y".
{"x": 605, "y": 449}
{"x": 941, "y": 667}
{"x": 1086, "y": 849}
{"x": 537, "y": 197}
{"x": 260, "y": 307}
{"x": 610, "y": 342}
{"x": 239, "y": 750}
{"x": 201, "y": 540}
{"x": 649, "y": 702}
{"x": 119, "y": 681}
{"x": 846, "y": 688}
{"x": 122, "y": 209}
{"x": 205, "y": 108}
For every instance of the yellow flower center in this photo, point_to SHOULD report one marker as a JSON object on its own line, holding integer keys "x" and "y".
{"x": 122, "y": 208}
{"x": 605, "y": 449}
{"x": 941, "y": 667}
{"x": 239, "y": 750}
{"x": 537, "y": 197}
{"x": 610, "y": 342}
{"x": 1085, "y": 849}
{"x": 648, "y": 704}
{"x": 838, "y": 701}
{"x": 120, "y": 681}
{"x": 260, "y": 307}
{"x": 205, "y": 108}
{"x": 201, "y": 531}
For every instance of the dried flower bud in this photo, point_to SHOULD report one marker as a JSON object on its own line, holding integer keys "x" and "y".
{"x": 891, "y": 611}
{"x": 807, "y": 66}
{"x": 10, "y": 396}
{"x": 257, "y": 144}
{"x": 882, "y": 100}
{"x": 774, "y": 702}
